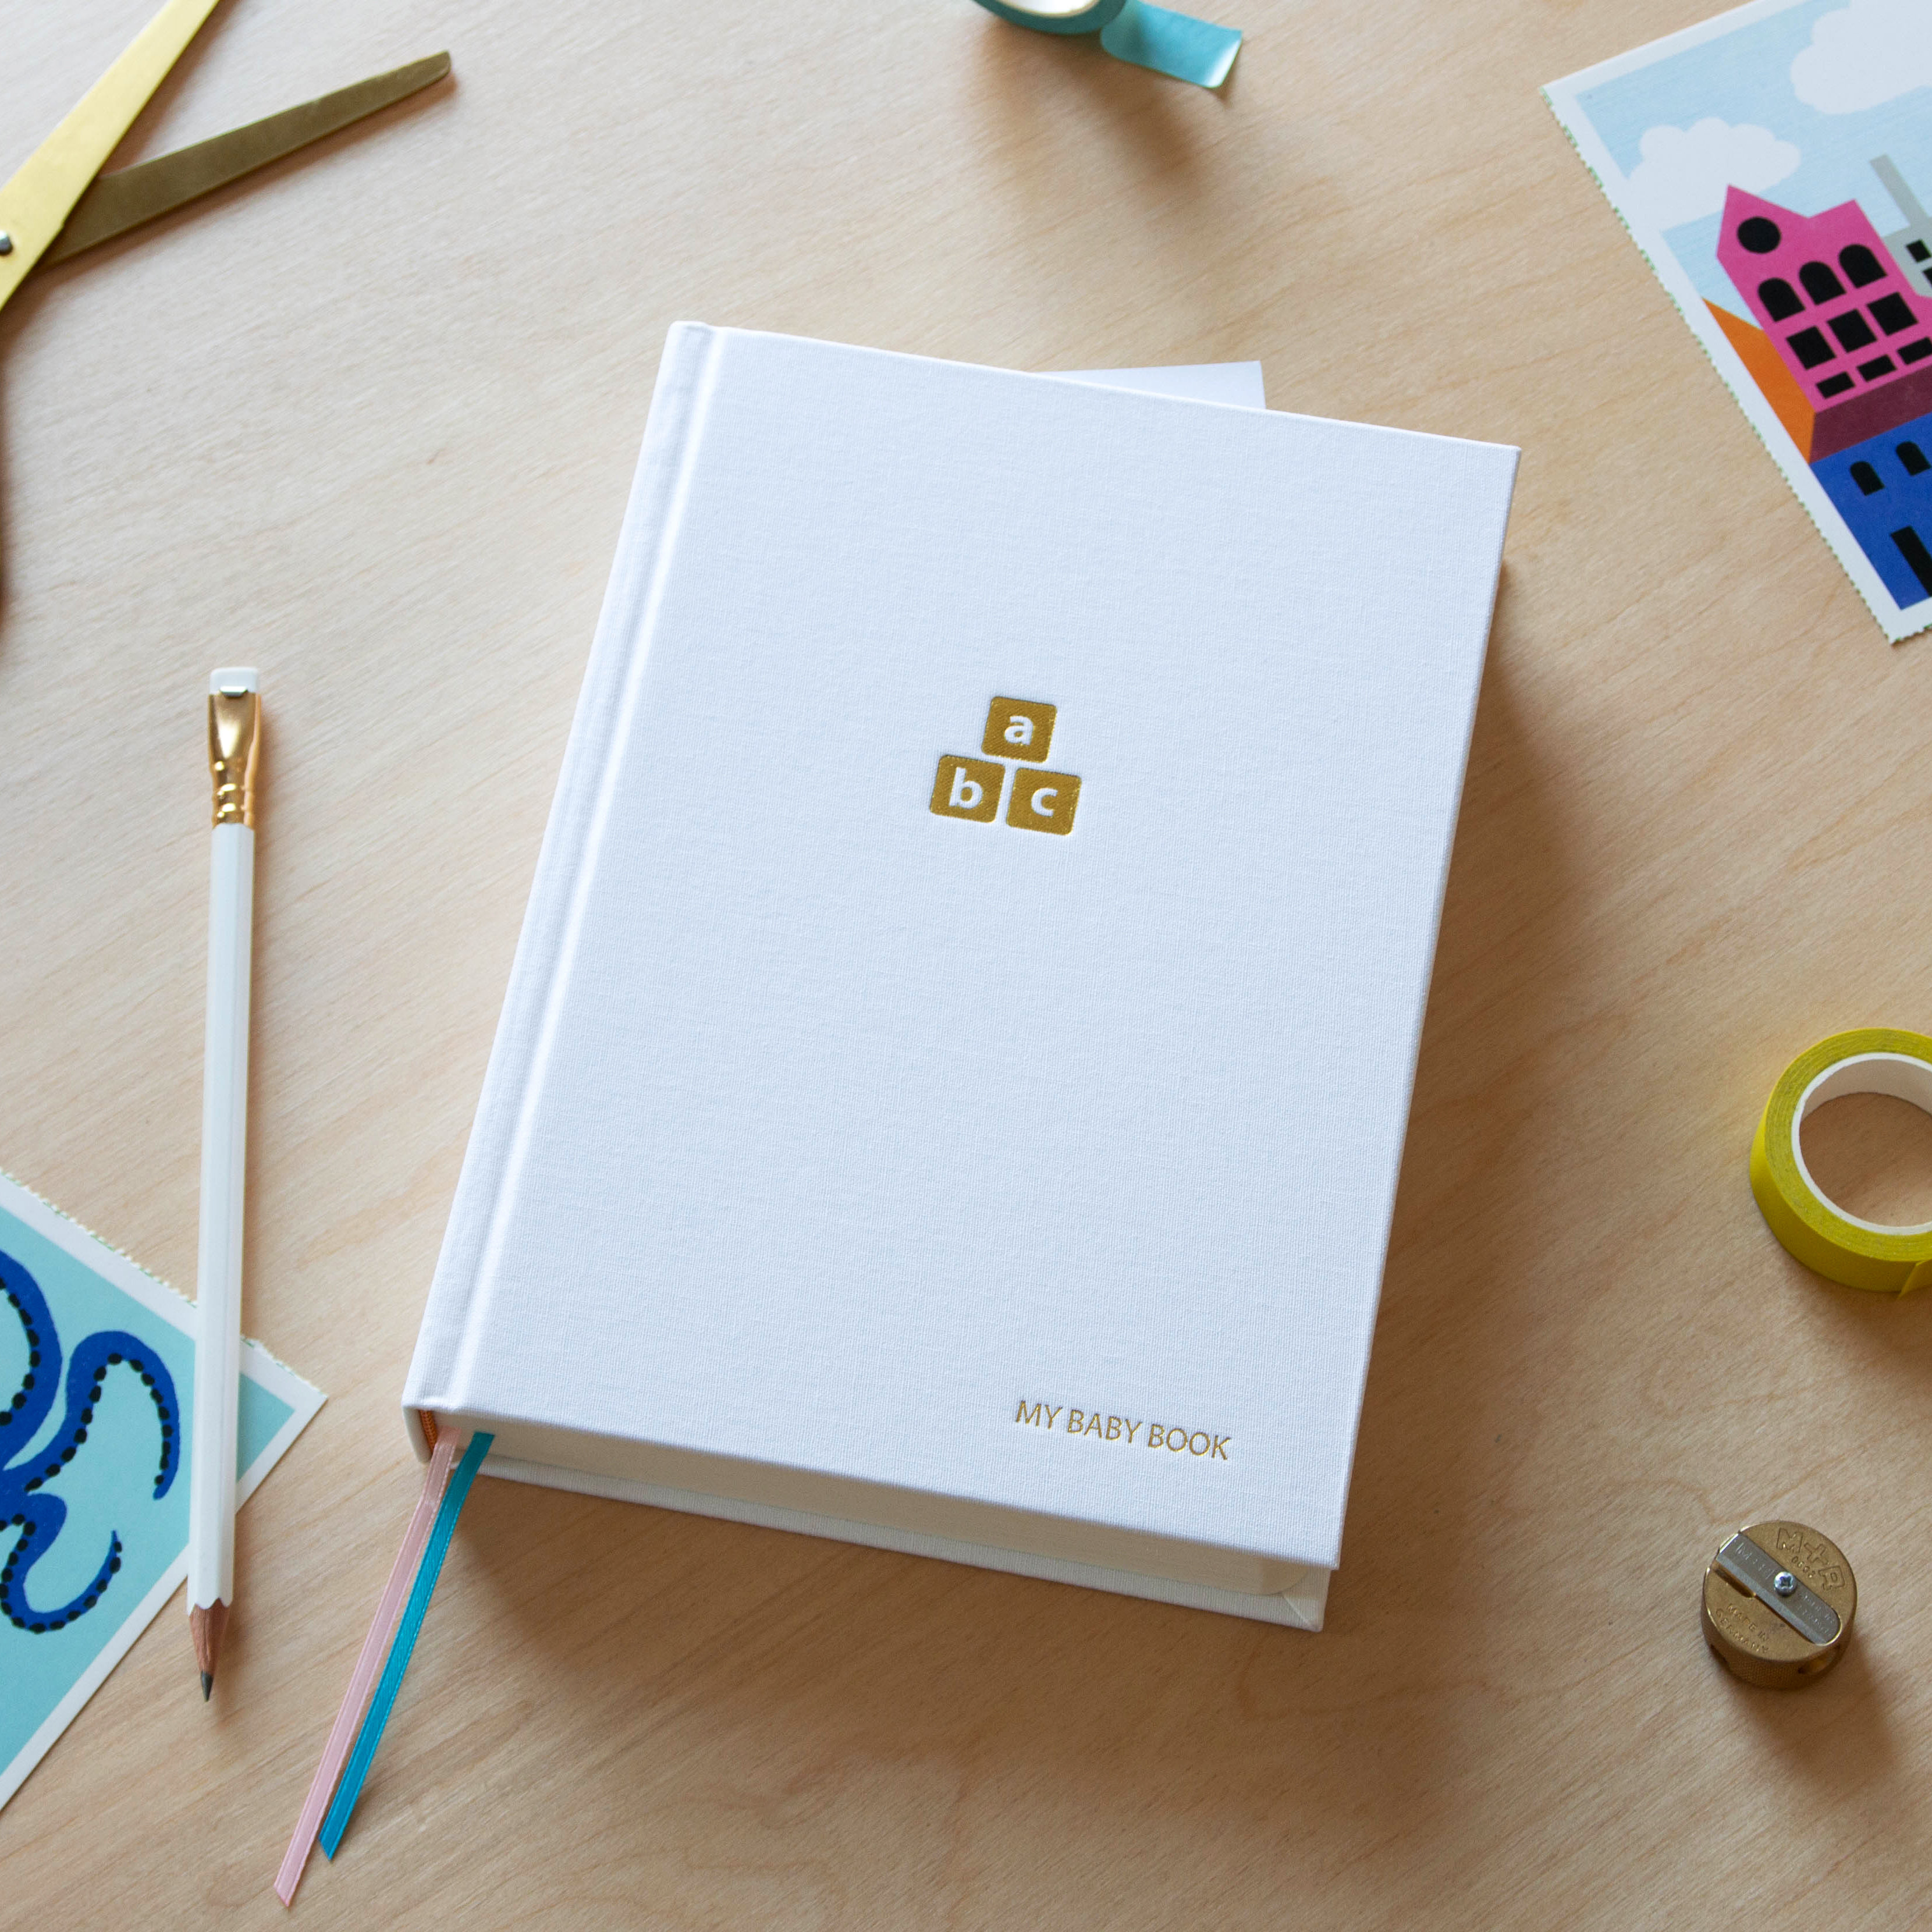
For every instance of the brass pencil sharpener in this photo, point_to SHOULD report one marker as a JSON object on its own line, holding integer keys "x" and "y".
{"x": 1778, "y": 1604}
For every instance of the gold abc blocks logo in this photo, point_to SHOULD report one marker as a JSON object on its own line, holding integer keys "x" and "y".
{"x": 1041, "y": 801}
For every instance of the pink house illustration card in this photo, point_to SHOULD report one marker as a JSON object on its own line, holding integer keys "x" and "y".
{"x": 1770, "y": 164}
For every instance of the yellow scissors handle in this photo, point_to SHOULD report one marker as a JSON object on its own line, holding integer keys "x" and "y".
{"x": 35, "y": 203}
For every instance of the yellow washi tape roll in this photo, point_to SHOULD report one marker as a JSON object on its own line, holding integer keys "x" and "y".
{"x": 1841, "y": 1247}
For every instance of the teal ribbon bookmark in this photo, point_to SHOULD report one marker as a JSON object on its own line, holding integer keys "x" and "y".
{"x": 1175, "y": 44}
{"x": 407, "y": 1631}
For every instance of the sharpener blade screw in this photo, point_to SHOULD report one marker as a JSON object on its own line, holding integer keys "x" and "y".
{"x": 6, "y": 242}
{"x": 1784, "y": 1582}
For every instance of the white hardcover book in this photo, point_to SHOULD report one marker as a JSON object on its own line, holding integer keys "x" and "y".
{"x": 953, "y": 1077}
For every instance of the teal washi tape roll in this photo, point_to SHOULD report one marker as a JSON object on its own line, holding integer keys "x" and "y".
{"x": 1131, "y": 30}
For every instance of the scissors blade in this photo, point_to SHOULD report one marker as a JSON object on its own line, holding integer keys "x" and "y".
{"x": 124, "y": 199}
{"x": 34, "y": 203}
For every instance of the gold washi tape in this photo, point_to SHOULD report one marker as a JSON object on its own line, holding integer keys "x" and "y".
{"x": 1840, "y": 1246}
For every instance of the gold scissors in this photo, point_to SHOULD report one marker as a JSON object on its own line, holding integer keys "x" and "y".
{"x": 54, "y": 207}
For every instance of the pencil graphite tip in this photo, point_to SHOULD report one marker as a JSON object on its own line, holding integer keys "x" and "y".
{"x": 207, "y": 1685}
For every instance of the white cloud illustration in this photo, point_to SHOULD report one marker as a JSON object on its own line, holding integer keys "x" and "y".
{"x": 1870, "y": 51}
{"x": 1684, "y": 171}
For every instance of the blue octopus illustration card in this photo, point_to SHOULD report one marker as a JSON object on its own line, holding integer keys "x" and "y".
{"x": 96, "y": 1383}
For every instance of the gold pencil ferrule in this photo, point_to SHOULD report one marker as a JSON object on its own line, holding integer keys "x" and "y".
{"x": 234, "y": 736}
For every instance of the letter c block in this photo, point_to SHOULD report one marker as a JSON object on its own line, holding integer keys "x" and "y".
{"x": 1044, "y": 801}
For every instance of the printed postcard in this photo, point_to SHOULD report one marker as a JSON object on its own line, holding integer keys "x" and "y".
{"x": 1771, "y": 164}
{"x": 97, "y": 1390}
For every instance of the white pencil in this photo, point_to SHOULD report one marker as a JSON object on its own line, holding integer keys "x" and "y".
{"x": 234, "y": 738}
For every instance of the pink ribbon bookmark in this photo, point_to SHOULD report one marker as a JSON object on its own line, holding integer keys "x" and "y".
{"x": 362, "y": 1685}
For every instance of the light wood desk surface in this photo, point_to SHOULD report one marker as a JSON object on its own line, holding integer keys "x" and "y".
{"x": 370, "y": 423}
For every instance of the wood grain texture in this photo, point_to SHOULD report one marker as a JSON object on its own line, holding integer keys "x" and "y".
{"x": 370, "y": 423}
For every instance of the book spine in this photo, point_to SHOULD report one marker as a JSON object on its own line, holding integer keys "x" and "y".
{"x": 459, "y": 1293}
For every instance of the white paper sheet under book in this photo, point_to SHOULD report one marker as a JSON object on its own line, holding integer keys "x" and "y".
{"x": 848, "y": 1166}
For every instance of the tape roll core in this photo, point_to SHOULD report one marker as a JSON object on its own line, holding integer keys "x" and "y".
{"x": 1813, "y": 1228}
{"x": 1070, "y": 16}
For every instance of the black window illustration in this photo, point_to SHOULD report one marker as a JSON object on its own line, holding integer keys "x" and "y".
{"x": 1892, "y": 314}
{"x": 1820, "y": 284}
{"x": 1833, "y": 385}
{"x": 1852, "y": 330}
{"x": 1810, "y": 348}
{"x": 1781, "y": 301}
{"x": 1912, "y": 547}
{"x": 1916, "y": 352}
{"x": 1866, "y": 477}
{"x": 1879, "y": 365}
{"x": 1860, "y": 265}
{"x": 1913, "y": 458}
{"x": 1758, "y": 234}
{"x": 1918, "y": 251}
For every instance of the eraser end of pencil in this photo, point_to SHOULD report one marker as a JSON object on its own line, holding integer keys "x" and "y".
{"x": 239, "y": 677}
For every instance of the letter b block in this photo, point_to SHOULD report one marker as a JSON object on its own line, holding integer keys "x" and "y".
{"x": 1043, "y": 801}
{"x": 1017, "y": 728}
{"x": 967, "y": 788}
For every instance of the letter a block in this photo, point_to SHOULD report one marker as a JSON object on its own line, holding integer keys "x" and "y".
{"x": 968, "y": 788}
{"x": 1017, "y": 728}
{"x": 1044, "y": 801}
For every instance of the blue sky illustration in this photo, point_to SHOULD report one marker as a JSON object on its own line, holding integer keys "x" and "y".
{"x": 1744, "y": 77}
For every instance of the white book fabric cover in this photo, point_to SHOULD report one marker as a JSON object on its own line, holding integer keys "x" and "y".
{"x": 825, "y": 1132}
